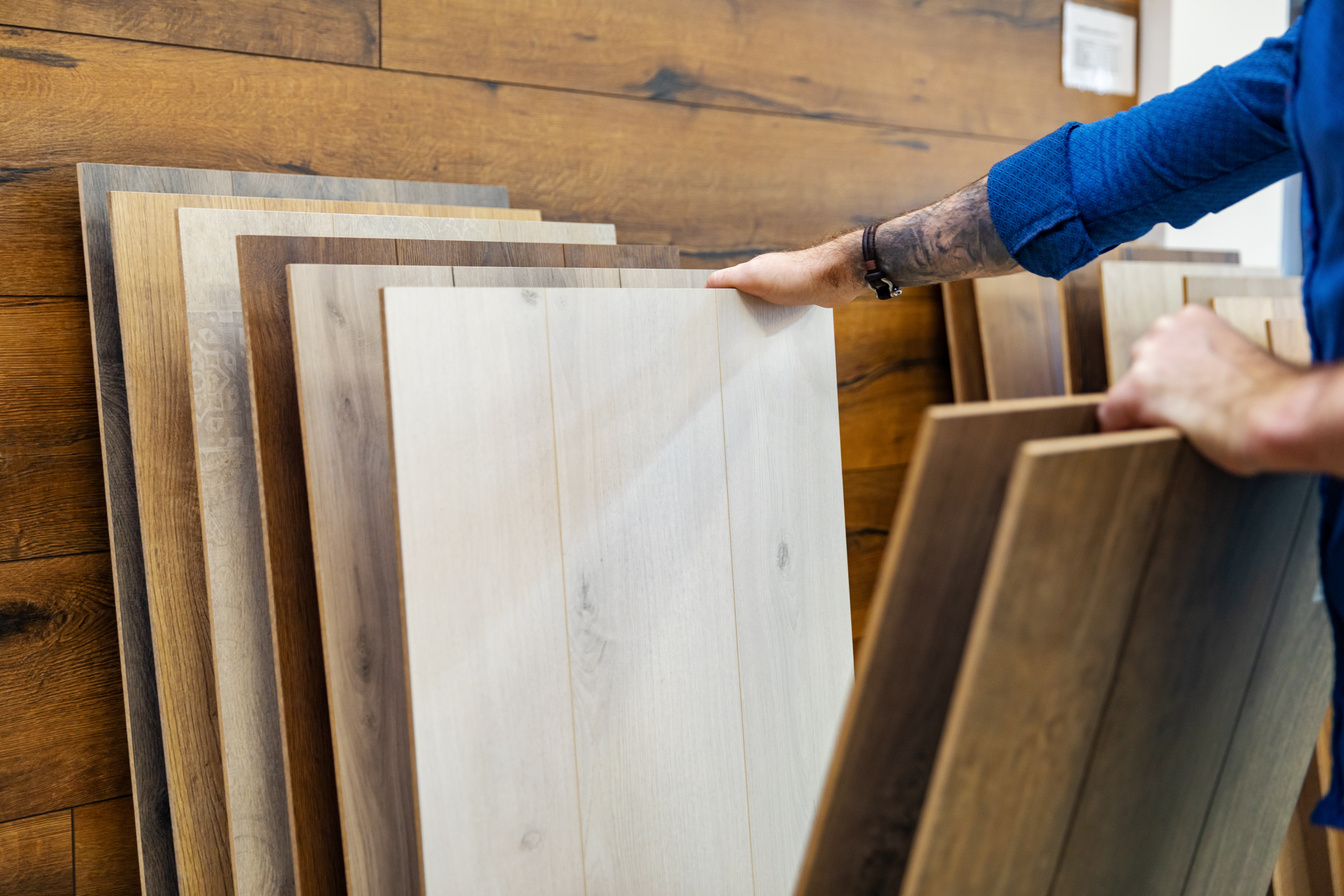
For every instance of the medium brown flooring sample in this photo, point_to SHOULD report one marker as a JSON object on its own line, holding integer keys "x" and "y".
{"x": 1080, "y": 310}
{"x": 35, "y": 856}
{"x": 925, "y": 598}
{"x": 279, "y": 452}
{"x": 963, "y": 341}
{"x": 1020, "y": 336}
{"x": 153, "y": 329}
{"x": 1076, "y": 527}
{"x": 105, "y": 862}
{"x": 141, "y": 689}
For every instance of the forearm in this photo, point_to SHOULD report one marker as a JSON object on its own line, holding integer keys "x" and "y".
{"x": 1300, "y": 426}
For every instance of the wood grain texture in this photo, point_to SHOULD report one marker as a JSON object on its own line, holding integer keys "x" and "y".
{"x": 771, "y": 181}
{"x": 1288, "y": 339}
{"x": 1020, "y": 336}
{"x": 1081, "y": 316}
{"x": 1221, "y": 548}
{"x": 1274, "y": 741}
{"x": 35, "y": 856}
{"x": 871, "y": 496}
{"x": 1303, "y": 866}
{"x": 790, "y": 584}
{"x": 965, "y": 350}
{"x": 273, "y": 185}
{"x": 912, "y": 647}
{"x": 588, "y": 255}
{"x": 1134, "y": 294}
{"x": 104, "y": 844}
{"x": 1251, "y": 315}
{"x": 1075, "y": 530}
{"x": 1201, "y": 290}
{"x": 333, "y": 30}
{"x": 95, "y": 181}
{"x": 63, "y": 741}
{"x": 788, "y": 61}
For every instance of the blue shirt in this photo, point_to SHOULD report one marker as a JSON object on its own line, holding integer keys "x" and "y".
{"x": 1084, "y": 189}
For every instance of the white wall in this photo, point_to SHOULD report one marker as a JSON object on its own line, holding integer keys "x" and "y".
{"x": 1179, "y": 40}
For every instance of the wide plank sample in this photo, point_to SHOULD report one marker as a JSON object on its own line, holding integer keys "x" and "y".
{"x": 338, "y": 361}
{"x": 1058, "y": 594}
{"x": 1289, "y": 339}
{"x": 36, "y": 855}
{"x": 1251, "y": 315}
{"x": 1018, "y": 316}
{"x": 965, "y": 350}
{"x": 1134, "y": 294}
{"x": 147, "y": 263}
{"x": 1201, "y": 290}
{"x": 663, "y": 794}
{"x": 908, "y": 663}
{"x": 150, "y": 785}
{"x": 236, "y": 533}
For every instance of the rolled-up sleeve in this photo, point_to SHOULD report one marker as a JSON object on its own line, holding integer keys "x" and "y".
{"x": 1086, "y": 188}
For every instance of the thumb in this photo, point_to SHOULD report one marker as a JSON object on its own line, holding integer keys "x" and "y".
{"x": 723, "y": 279}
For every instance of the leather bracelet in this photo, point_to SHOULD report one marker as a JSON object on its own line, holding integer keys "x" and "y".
{"x": 877, "y": 279}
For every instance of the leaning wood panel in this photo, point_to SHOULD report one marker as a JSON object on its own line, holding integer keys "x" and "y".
{"x": 361, "y": 189}
{"x": 1221, "y": 548}
{"x": 1076, "y": 527}
{"x": 772, "y": 182}
{"x": 912, "y": 648}
{"x": 1201, "y": 290}
{"x": 35, "y": 856}
{"x": 63, "y": 740}
{"x": 498, "y": 801}
{"x": 335, "y": 30}
{"x": 965, "y": 349}
{"x": 1019, "y": 331}
{"x": 1001, "y": 80}
{"x": 1134, "y": 294}
{"x": 104, "y": 836}
{"x": 1303, "y": 866}
{"x": 1289, "y": 339}
{"x": 1251, "y": 315}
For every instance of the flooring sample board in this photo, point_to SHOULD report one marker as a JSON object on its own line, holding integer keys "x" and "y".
{"x": 1251, "y": 315}
{"x": 359, "y": 691}
{"x": 1081, "y": 316}
{"x": 152, "y": 816}
{"x": 662, "y": 796}
{"x": 246, "y": 620}
{"x": 923, "y": 607}
{"x": 1019, "y": 332}
{"x": 1289, "y": 339}
{"x": 1201, "y": 290}
{"x": 156, "y": 367}
{"x": 965, "y": 350}
{"x": 1076, "y": 527}
{"x": 1134, "y": 294}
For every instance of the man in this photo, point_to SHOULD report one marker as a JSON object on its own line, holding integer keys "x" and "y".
{"x": 1078, "y": 192}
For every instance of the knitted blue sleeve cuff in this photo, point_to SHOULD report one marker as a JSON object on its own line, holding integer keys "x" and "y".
{"x": 1032, "y": 203}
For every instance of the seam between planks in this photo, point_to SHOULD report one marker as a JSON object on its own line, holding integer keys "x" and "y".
{"x": 1241, "y": 706}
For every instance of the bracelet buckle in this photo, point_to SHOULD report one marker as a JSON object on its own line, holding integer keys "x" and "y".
{"x": 877, "y": 279}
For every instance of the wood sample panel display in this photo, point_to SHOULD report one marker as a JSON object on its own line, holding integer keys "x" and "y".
{"x": 153, "y": 331}
{"x": 591, "y": 503}
{"x": 236, "y": 535}
{"x": 1134, "y": 294}
{"x": 1201, "y": 290}
{"x": 1023, "y": 349}
{"x": 157, "y": 861}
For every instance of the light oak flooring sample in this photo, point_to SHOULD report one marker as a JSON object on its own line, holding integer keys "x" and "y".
{"x": 1201, "y": 290}
{"x": 1019, "y": 330}
{"x": 923, "y": 606}
{"x": 1134, "y": 294}
{"x": 150, "y": 785}
{"x": 1289, "y": 339}
{"x": 1251, "y": 315}
{"x": 232, "y": 520}
{"x": 1075, "y": 529}
{"x": 363, "y": 667}
{"x": 661, "y": 664}
{"x": 965, "y": 350}
{"x": 154, "y": 335}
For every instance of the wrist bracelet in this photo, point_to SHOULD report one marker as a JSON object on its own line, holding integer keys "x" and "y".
{"x": 877, "y": 279}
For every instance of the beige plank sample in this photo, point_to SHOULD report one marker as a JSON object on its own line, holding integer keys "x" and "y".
{"x": 1201, "y": 289}
{"x": 483, "y": 586}
{"x": 1251, "y": 315}
{"x": 1020, "y": 335}
{"x": 1288, "y": 339}
{"x": 1134, "y": 294}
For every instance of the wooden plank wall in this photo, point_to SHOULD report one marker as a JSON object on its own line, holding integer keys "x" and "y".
{"x": 728, "y": 128}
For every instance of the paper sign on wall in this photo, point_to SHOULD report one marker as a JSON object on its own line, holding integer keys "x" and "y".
{"x": 1099, "y": 50}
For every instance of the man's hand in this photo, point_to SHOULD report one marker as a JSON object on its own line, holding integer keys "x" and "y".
{"x": 1241, "y": 408}
{"x": 825, "y": 275}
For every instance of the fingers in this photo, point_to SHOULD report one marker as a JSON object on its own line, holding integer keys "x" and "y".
{"x": 1121, "y": 409}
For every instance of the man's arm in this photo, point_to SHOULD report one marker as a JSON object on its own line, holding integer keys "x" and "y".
{"x": 1244, "y": 410}
{"x": 952, "y": 239}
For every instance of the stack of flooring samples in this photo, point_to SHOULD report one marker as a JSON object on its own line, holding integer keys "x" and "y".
{"x": 279, "y": 716}
{"x": 1095, "y": 666}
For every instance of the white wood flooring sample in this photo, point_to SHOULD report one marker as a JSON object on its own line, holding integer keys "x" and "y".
{"x": 693, "y": 437}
